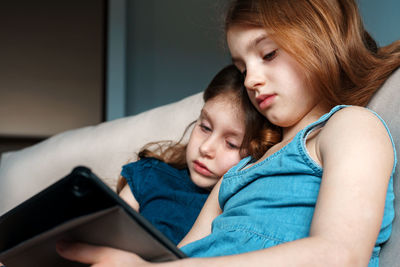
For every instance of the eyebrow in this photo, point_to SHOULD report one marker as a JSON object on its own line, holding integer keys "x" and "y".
{"x": 204, "y": 113}
{"x": 252, "y": 43}
{"x": 257, "y": 40}
{"x": 230, "y": 131}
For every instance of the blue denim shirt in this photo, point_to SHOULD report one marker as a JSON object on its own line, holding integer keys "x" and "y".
{"x": 273, "y": 202}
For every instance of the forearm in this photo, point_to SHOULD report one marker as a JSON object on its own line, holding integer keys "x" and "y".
{"x": 313, "y": 251}
{"x": 308, "y": 252}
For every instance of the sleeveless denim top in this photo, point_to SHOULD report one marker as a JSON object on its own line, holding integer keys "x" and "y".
{"x": 273, "y": 201}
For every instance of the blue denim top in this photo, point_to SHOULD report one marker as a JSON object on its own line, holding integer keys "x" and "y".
{"x": 273, "y": 202}
{"x": 167, "y": 196}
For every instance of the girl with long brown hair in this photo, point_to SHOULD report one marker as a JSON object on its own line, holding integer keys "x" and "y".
{"x": 170, "y": 182}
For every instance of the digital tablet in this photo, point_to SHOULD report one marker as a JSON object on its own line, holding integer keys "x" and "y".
{"x": 79, "y": 207}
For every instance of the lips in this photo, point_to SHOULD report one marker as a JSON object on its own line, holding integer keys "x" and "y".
{"x": 201, "y": 168}
{"x": 264, "y": 101}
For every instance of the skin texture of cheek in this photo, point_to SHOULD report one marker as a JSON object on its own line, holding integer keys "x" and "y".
{"x": 228, "y": 162}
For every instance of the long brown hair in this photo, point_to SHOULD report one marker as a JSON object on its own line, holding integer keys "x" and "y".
{"x": 259, "y": 133}
{"x": 342, "y": 62}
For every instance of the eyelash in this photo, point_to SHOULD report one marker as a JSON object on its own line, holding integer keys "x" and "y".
{"x": 268, "y": 57}
{"x": 232, "y": 146}
{"x": 208, "y": 129}
{"x": 205, "y": 128}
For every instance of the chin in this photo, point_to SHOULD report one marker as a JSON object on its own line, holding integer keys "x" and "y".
{"x": 278, "y": 120}
{"x": 203, "y": 183}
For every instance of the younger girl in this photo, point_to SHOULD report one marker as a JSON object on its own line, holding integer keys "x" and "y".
{"x": 170, "y": 184}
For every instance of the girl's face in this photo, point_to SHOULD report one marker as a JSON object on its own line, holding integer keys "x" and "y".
{"x": 215, "y": 141}
{"x": 274, "y": 80}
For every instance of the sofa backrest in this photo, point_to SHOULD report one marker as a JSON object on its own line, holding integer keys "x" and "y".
{"x": 104, "y": 148}
{"x": 386, "y": 103}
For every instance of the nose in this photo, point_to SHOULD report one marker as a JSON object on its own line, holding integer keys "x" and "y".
{"x": 207, "y": 148}
{"x": 254, "y": 79}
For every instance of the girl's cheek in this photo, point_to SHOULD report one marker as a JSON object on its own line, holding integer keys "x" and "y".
{"x": 232, "y": 160}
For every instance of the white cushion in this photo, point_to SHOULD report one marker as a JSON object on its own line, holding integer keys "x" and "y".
{"x": 103, "y": 148}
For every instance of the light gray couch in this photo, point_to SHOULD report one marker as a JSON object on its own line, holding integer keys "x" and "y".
{"x": 386, "y": 102}
{"x": 106, "y": 147}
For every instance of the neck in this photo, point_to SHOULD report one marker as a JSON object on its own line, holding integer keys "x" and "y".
{"x": 288, "y": 133}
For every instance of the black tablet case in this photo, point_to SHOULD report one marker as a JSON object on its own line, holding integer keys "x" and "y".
{"x": 78, "y": 207}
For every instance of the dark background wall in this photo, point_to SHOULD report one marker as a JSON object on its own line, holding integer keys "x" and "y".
{"x": 51, "y": 65}
{"x": 174, "y": 47}
{"x": 153, "y": 52}
{"x": 382, "y": 19}
{"x": 52, "y": 68}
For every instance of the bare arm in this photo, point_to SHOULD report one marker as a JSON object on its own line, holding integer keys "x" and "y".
{"x": 127, "y": 195}
{"x": 358, "y": 158}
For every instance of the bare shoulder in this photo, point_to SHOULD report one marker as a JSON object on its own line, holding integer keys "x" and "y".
{"x": 355, "y": 121}
{"x": 355, "y": 117}
{"x": 356, "y": 128}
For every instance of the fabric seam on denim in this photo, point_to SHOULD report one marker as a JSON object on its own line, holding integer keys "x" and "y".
{"x": 245, "y": 229}
{"x": 257, "y": 165}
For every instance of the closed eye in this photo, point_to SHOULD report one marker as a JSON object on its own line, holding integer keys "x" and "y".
{"x": 231, "y": 145}
{"x": 205, "y": 128}
{"x": 270, "y": 56}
